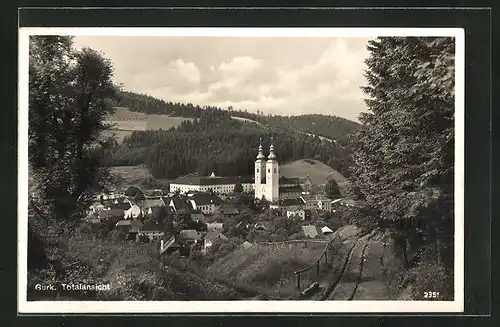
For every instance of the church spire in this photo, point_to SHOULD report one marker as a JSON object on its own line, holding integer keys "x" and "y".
{"x": 261, "y": 153}
{"x": 271, "y": 156}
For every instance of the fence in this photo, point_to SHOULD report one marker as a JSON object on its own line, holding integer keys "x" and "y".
{"x": 317, "y": 263}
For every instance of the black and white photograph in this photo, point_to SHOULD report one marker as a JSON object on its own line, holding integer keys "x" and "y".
{"x": 241, "y": 169}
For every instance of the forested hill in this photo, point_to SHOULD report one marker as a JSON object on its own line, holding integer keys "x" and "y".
{"x": 332, "y": 127}
{"x": 222, "y": 145}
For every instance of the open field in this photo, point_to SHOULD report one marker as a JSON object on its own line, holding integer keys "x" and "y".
{"x": 132, "y": 175}
{"x": 126, "y": 121}
{"x": 318, "y": 172}
{"x": 268, "y": 269}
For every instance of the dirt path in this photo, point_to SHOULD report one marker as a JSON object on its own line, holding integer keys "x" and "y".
{"x": 356, "y": 271}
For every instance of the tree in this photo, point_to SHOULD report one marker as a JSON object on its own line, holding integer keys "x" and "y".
{"x": 332, "y": 189}
{"x": 238, "y": 188}
{"x": 404, "y": 153}
{"x": 70, "y": 96}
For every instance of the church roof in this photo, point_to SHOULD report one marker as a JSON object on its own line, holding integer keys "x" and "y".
{"x": 290, "y": 189}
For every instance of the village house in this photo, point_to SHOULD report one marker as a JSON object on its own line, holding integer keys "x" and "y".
{"x": 326, "y": 230}
{"x": 296, "y": 212}
{"x": 153, "y": 232}
{"x": 169, "y": 246}
{"x": 190, "y": 236}
{"x": 311, "y": 231}
{"x": 205, "y": 202}
{"x": 178, "y": 203}
{"x": 215, "y": 227}
{"x": 198, "y": 217}
{"x": 318, "y": 202}
{"x": 152, "y": 194}
{"x": 110, "y": 215}
{"x": 151, "y": 203}
{"x": 130, "y": 227}
{"x": 210, "y": 237}
{"x": 134, "y": 212}
{"x": 229, "y": 210}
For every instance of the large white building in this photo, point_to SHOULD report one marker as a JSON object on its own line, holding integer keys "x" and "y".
{"x": 216, "y": 184}
{"x": 267, "y": 176}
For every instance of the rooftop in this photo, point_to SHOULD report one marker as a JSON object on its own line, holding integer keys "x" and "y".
{"x": 150, "y": 227}
{"x": 206, "y": 198}
{"x": 291, "y": 189}
{"x": 189, "y": 234}
{"x": 154, "y": 202}
{"x": 212, "y": 235}
{"x": 310, "y": 231}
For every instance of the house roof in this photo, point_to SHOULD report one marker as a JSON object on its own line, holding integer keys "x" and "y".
{"x": 229, "y": 209}
{"x": 246, "y": 245}
{"x": 210, "y": 236}
{"x": 127, "y": 222}
{"x": 295, "y": 208}
{"x": 290, "y": 202}
{"x": 180, "y": 202}
{"x": 316, "y": 197}
{"x": 107, "y": 214}
{"x": 152, "y": 193}
{"x": 133, "y": 224}
{"x": 189, "y": 234}
{"x": 214, "y": 226}
{"x": 206, "y": 198}
{"x": 154, "y": 202}
{"x": 310, "y": 231}
{"x": 326, "y": 230}
{"x": 151, "y": 227}
{"x": 291, "y": 189}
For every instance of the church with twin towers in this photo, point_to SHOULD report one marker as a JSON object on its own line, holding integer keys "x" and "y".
{"x": 267, "y": 175}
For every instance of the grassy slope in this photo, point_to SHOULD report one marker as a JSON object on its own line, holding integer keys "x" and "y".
{"x": 127, "y": 121}
{"x": 318, "y": 172}
{"x": 268, "y": 269}
{"x": 137, "y": 272}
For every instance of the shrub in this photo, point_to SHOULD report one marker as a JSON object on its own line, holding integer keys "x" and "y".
{"x": 429, "y": 276}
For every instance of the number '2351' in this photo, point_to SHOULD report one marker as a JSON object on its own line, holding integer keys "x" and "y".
{"x": 431, "y": 295}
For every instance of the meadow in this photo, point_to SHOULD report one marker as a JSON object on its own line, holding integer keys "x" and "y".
{"x": 269, "y": 269}
{"x": 125, "y": 122}
{"x": 318, "y": 172}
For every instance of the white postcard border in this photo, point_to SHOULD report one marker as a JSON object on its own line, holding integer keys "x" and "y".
{"x": 457, "y": 305}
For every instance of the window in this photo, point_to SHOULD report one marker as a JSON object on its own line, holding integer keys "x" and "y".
{"x": 257, "y": 169}
{"x": 269, "y": 170}
{"x": 274, "y": 170}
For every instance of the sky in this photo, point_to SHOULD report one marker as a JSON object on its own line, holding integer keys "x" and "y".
{"x": 278, "y": 75}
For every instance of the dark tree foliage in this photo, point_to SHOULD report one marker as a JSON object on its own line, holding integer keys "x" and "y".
{"x": 332, "y": 190}
{"x": 221, "y": 145}
{"x": 69, "y": 100}
{"x": 404, "y": 154}
{"x": 332, "y": 127}
{"x": 238, "y": 188}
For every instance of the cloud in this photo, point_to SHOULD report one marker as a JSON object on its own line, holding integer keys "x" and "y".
{"x": 187, "y": 71}
{"x": 286, "y": 76}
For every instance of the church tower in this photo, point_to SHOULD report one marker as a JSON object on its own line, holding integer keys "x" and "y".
{"x": 272, "y": 176}
{"x": 260, "y": 174}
